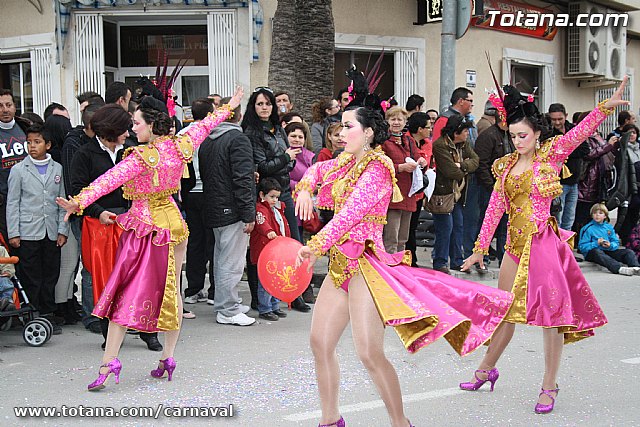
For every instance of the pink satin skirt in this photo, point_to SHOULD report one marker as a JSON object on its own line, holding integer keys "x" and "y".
{"x": 134, "y": 292}
{"x": 465, "y": 313}
{"x": 558, "y": 294}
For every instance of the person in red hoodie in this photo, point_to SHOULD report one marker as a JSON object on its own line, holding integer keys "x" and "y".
{"x": 270, "y": 223}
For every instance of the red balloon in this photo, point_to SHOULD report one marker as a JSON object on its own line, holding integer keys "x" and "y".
{"x": 277, "y": 269}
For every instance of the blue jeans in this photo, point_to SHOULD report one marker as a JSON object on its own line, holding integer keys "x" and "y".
{"x": 471, "y": 216}
{"x": 266, "y": 302}
{"x": 613, "y": 260}
{"x": 567, "y": 212}
{"x": 6, "y": 288}
{"x": 448, "y": 244}
{"x": 501, "y": 231}
{"x": 87, "y": 281}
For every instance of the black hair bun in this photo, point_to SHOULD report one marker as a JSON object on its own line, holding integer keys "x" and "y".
{"x": 518, "y": 106}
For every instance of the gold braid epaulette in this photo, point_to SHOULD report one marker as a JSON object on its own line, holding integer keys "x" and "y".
{"x": 504, "y": 162}
{"x": 150, "y": 157}
{"x": 545, "y": 149}
{"x": 185, "y": 147}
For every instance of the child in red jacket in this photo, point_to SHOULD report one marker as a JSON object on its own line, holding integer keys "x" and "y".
{"x": 270, "y": 223}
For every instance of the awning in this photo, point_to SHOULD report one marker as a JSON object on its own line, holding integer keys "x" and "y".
{"x": 64, "y": 8}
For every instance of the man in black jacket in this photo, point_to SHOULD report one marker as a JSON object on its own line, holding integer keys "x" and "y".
{"x": 76, "y": 138}
{"x": 492, "y": 144}
{"x": 200, "y": 243}
{"x": 569, "y": 197}
{"x": 227, "y": 173}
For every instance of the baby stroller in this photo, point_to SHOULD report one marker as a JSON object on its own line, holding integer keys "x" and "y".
{"x": 36, "y": 330}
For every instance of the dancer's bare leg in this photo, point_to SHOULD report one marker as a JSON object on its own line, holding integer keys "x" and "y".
{"x": 115, "y": 336}
{"x": 553, "y": 343}
{"x": 330, "y": 318}
{"x": 368, "y": 336}
{"x": 171, "y": 337}
{"x": 503, "y": 334}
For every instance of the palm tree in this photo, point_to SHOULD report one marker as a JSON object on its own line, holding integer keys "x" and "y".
{"x": 302, "y": 51}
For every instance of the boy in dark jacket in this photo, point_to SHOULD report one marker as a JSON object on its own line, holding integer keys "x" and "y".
{"x": 270, "y": 223}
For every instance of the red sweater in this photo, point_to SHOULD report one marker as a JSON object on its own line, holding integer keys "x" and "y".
{"x": 397, "y": 153}
{"x": 265, "y": 223}
{"x": 324, "y": 155}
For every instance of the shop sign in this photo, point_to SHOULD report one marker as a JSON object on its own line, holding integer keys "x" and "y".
{"x": 542, "y": 28}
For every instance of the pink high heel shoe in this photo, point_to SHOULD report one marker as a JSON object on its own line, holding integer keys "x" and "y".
{"x": 545, "y": 409}
{"x": 114, "y": 368}
{"x": 339, "y": 423}
{"x": 492, "y": 377}
{"x": 169, "y": 365}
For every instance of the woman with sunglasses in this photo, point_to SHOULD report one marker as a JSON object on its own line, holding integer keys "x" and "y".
{"x": 273, "y": 156}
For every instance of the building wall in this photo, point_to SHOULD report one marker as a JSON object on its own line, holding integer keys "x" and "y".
{"x": 26, "y": 18}
{"x": 376, "y": 17}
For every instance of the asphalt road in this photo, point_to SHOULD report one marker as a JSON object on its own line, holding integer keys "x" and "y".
{"x": 266, "y": 373}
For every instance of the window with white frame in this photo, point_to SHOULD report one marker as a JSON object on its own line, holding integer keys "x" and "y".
{"x": 611, "y": 122}
{"x": 528, "y": 80}
{"x": 530, "y": 67}
{"x": 404, "y": 60}
{"x": 15, "y": 75}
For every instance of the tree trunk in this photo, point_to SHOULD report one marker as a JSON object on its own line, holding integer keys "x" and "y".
{"x": 282, "y": 64}
{"x": 302, "y": 54}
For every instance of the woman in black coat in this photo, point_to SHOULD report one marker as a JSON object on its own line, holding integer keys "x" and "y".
{"x": 273, "y": 157}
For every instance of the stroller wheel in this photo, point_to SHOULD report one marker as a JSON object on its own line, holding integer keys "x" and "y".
{"x": 47, "y": 324}
{"x": 35, "y": 333}
{"x": 5, "y": 324}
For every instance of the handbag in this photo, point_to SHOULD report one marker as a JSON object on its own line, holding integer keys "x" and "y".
{"x": 441, "y": 203}
{"x": 314, "y": 224}
{"x": 425, "y": 177}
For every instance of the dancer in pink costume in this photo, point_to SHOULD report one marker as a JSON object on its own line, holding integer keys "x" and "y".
{"x": 142, "y": 292}
{"x": 372, "y": 288}
{"x": 549, "y": 288}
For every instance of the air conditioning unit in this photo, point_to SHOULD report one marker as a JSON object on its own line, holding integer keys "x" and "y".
{"x": 586, "y": 46}
{"x": 616, "y": 60}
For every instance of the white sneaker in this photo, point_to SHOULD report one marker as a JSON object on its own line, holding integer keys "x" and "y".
{"x": 199, "y": 297}
{"x": 211, "y": 302}
{"x": 626, "y": 271}
{"x": 239, "y": 319}
{"x": 191, "y": 300}
{"x": 636, "y": 270}
{"x": 244, "y": 308}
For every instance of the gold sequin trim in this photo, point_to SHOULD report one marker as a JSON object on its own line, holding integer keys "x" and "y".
{"x": 130, "y": 194}
{"x": 605, "y": 110}
{"x": 168, "y": 317}
{"x": 226, "y": 107}
{"x": 376, "y": 219}
{"x": 303, "y": 185}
